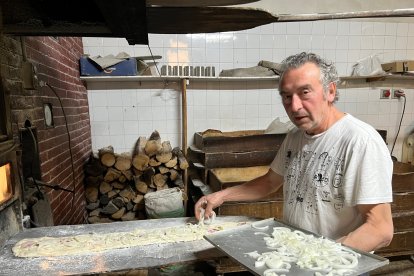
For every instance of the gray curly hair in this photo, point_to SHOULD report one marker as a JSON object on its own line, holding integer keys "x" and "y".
{"x": 327, "y": 68}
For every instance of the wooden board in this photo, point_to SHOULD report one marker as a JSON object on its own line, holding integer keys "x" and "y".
{"x": 401, "y": 244}
{"x": 403, "y": 178}
{"x": 269, "y": 209}
{"x": 183, "y": 20}
{"x": 237, "y": 141}
{"x": 199, "y": 3}
{"x": 222, "y": 178}
{"x": 231, "y": 159}
{"x": 403, "y": 220}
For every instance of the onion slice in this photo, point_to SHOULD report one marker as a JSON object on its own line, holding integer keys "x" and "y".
{"x": 255, "y": 226}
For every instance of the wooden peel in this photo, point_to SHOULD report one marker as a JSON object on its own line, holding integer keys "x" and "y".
{"x": 181, "y": 20}
{"x": 194, "y": 3}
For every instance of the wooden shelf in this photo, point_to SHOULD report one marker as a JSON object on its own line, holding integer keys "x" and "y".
{"x": 343, "y": 79}
{"x": 170, "y": 78}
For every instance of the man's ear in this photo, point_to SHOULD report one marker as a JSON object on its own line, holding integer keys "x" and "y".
{"x": 331, "y": 92}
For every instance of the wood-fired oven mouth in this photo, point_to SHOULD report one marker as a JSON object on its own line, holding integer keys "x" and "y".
{"x": 9, "y": 184}
{"x": 6, "y": 190}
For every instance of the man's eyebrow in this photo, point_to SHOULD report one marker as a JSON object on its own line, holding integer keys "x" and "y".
{"x": 300, "y": 88}
{"x": 306, "y": 86}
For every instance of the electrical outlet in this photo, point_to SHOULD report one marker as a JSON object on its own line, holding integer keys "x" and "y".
{"x": 396, "y": 93}
{"x": 385, "y": 93}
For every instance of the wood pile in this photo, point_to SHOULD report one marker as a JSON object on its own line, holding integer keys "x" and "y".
{"x": 115, "y": 184}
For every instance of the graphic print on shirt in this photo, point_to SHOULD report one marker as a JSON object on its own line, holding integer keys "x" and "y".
{"x": 309, "y": 185}
{"x": 297, "y": 174}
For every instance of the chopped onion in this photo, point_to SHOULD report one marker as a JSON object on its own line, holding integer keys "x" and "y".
{"x": 312, "y": 253}
{"x": 255, "y": 226}
{"x": 253, "y": 254}
{"x": 261, "y": 233}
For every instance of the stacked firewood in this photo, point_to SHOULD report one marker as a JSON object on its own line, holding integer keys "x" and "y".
{"x": 116, "y": 183}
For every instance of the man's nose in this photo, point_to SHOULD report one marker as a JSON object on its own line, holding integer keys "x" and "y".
{"x": 296, "y": 103}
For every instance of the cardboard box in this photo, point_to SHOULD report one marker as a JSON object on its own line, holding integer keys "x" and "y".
{"x": 400, "y": 66}
{"x": 127, "y": 67}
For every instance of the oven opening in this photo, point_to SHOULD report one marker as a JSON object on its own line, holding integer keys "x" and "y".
{"x": 5, "y": 183}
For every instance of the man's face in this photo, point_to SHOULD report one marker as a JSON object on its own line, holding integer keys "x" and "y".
{"x": 304, "y": 100}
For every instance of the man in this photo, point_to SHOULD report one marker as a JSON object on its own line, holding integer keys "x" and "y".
{"x": 335, "y": 169}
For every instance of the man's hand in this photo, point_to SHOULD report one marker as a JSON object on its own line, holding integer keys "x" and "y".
{"x": 208, "y": 203}
{"x": 249, "y": 191}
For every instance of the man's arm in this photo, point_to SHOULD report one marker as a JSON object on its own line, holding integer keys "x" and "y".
{"x": 252, "y": 190}
{"x": 376, "y": 232}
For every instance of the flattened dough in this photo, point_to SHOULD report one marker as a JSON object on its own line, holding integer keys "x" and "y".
{"x": 93, "y": 242}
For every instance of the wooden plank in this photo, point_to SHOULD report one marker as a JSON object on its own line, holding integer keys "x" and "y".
{"x": 236, "y": 141}
{"x": 403, "y": 177}
{"x": 261, "y": 210}
{"x": 401, "y": 244}
{"x": 199, "y": 3}
{"x": 231, "y": 159}
{"x": 402, "y": 202}
{"x": 222, "y": 178}
{"x": 182, "y": 20}
{"x": 403, "y": 220}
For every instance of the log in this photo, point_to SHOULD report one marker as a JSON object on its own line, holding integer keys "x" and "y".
{"x": 182, "y": 161}
{"x": 140, "y": 162}
{"x": 118, "y": 185}
{"x": 112, "y": 174}
{"x": 93, "y": 180}
{"x": 91, "y": 194}
{"x": 179, "y": 183}
{"x": 94, "y": 167}
{"x": 128, "y": 174}
{"x": 163, "y": 170}
{"x": 139, "y": 146}
{"x": 122, "y": 178}
{"x": 107, "y": 156}
{"x": 118, "y": 214}
{"x": 163, "y": 187}
{"x": 105, "y": 187}
{"x": 141, "y": 186}
{"x": 123, "y": 161}
{"x": 127, "y": 193}
{"x": 173, "y": 174}
{"x": 139, "y": 158}
{"x": 159, "y": 180}
{"x": 173, "y": 161}
{"x": 153, "y": 145}
{"x": 138, "y": 199}
{"x": 147, "y": 176}
{"x": 154, "y": 162}
{"x": 165, "y": 154}
{"x": 112, "y": 193}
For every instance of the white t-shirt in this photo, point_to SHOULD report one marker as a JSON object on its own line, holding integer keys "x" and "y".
{"x": 328, "y": 174}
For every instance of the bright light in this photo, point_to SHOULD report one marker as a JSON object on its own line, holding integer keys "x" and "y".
{"x": 5, "y": 185}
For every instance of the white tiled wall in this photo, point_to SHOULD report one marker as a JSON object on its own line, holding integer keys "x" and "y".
{"x": 122, "y": 112}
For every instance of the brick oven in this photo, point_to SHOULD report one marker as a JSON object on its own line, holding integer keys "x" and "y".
{"x": 10, "y": 188}
{"x": 42, "y": 162}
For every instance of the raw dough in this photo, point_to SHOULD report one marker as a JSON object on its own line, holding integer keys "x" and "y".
{"x": 93, "y": 242}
